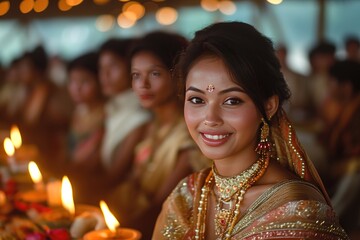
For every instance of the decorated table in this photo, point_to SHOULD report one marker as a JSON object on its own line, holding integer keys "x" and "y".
{"x": 32, "y": 209}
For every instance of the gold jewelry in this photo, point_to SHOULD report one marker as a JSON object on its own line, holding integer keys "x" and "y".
{"x": 264, "y": 146}
{"x": 228, "y": 186}
{"x": 226, "y": 218}
{"x": 210, "y": 88}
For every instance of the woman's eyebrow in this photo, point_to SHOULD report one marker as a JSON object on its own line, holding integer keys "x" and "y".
{"x": 232, "y": 89}
{"x": 195, "y": 90}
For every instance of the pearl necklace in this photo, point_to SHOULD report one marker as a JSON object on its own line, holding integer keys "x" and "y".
{"x": 228, "y": 189}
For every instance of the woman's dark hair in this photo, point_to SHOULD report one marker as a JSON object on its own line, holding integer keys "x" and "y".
{"x": 87, "y": 61}
{"x": 248, "y": 55}
{"x": 38, "y": 58}
{"x": 119, "y": 47}
{"x": 166, "y": 46}
{"x": 347, "y": 71}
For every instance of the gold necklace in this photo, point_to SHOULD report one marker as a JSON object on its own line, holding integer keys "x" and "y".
{"x": 228, "y": 186}
{"x": 226, "y": 218}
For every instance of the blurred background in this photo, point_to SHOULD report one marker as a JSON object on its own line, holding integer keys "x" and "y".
{"x": 67, "y": 28}
{"x": 44, "y": 44}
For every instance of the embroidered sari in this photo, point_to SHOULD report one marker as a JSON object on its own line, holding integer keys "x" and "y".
{"x": 291, "y": 209}
{"x": 153, "y": 165}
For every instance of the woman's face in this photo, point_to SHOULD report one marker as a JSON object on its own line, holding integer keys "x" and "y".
{"x": 221, "y": 117}
{"x": 114, "y": 74}
{"x": 151, "y": 80}
{"x": 82, "y": 86}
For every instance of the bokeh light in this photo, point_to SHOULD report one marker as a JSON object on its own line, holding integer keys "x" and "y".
{"x": 210, "y": 5}
{"x": 275, "y": 2}
{"x": 105, "y": 22}
{"x": 134, "y": 7}
{"x": 26, "y": 6}
{"x": 4, "y": 7}
{"x": 73, "y": 2}
{"x": 227, "y": 7}
{"x": 41, "y": 5}
{"x": 63, "y": 6}
{"x": 126, "y": 20}
{"x": 166, "y": 15}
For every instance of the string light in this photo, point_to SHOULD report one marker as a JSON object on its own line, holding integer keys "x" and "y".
{"x": 4, "y": 7}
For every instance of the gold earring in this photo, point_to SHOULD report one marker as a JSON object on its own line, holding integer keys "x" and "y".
{"x": 264, "y": 146}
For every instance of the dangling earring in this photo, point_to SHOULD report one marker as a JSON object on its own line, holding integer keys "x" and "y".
{"x": 264, "y": 146}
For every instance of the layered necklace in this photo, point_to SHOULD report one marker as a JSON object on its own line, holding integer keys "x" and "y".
{"x": 229, "y": 192}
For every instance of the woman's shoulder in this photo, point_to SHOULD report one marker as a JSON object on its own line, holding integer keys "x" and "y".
{"x": 292, "y": 207}
{"x": 291, "y": 190}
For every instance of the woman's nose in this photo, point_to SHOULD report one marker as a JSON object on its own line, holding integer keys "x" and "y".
{"x": 213, "y": 116}
{"x": 144, "y": 82}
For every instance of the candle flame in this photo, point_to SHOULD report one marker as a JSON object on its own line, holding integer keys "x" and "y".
{"x": 35, "y": 173}
{"x": 110, "y": 220}
{"x": 15, "y": 136}
{"x": 67, "y": 195}
{"x": 9, "y": 147}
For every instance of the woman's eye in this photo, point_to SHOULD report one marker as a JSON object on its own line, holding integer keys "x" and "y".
{"x": 195, "y": 100}
{"x": 232, "y": 101}
{"x": 155, "y": 74}
{"x": 135, "y": 75}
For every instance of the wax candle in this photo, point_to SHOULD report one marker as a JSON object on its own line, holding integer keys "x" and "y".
{"x": 120, "y": 234}
{"x": 53, "y": 190}
{"x": 114, "y": 232}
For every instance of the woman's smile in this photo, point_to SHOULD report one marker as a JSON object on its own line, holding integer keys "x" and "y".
{"x": 214, "y": 140}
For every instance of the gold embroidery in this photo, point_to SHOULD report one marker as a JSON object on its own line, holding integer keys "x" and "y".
{"x": 173, "y": 228}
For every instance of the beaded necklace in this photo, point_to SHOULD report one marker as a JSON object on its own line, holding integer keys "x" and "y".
{"x": 229, "y": 190}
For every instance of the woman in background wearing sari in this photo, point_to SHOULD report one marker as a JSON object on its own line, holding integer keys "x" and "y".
{"x": 262, "y": 184}
{"x": 166, "y": 153}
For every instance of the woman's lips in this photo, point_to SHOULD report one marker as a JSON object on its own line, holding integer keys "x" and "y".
{"x": 146, "y": 96}
{"x": 215, "y": 140}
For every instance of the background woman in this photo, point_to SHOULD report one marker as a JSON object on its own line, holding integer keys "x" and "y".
{"x": 261, "y": 185}
{"x": 166, "y": 153}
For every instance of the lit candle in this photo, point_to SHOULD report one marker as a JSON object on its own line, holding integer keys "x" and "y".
{"x": 10, "y": 151}
{"x": 36, "y": 176}
{"x": 67, "y": 196}
{"x": 114, "y": 232}
{"x": 15, "y": 136}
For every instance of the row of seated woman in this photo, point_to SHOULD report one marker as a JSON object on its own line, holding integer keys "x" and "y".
{"x": 120, "y": 135}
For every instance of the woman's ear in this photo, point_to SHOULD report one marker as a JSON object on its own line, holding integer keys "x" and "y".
{"x": 271, "y": 106}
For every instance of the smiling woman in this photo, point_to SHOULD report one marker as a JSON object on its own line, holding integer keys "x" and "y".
{"x": 261, "y": 184}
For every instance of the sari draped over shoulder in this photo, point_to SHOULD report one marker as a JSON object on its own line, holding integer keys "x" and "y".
{"x": 153, "y": 165}
{"x": 290, "y": 209}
